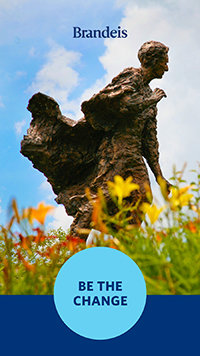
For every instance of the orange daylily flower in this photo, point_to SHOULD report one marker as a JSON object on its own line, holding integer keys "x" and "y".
{"x": 96, "y": 216}
{"x": 72, "y": 242}
{"x": 38, "y": 214}
{"x": 27, "y": 265}
{"x": 40, "y": 237}
{"x": 158, "y": 238}
{"x": 98, "y": 204}
{"x": 24, "y": 242}
{"x": 191, "y": 226}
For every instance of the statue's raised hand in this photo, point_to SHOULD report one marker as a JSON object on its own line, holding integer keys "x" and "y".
{"x": 158, "y": 94}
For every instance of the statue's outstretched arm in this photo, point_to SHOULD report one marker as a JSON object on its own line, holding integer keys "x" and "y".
{"x": 138, "y": 103}
{"x": 150, "y": 147}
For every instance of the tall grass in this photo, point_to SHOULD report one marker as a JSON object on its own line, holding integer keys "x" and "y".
{"x": 166, "y": 246}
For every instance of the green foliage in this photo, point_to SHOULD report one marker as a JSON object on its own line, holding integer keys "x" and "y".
{"x": 169, "y": 259}
{"x": 30, "y": 259}
{"x": 166, "y": 246}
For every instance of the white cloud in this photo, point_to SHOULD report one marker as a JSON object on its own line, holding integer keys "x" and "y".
{"x": 73, "y": 108}
{"x": 46, "y": 189}
{"x": 19, "y": 126}
{"x": 61, "y": 219}
{"x": 57, "y": 77}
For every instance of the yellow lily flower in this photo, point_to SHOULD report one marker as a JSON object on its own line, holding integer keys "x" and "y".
{"x": 180, "y": 197}
{"x": 163, "y": 187}
{"x": 152, "y": 211}
{"x": 122, "y": 188}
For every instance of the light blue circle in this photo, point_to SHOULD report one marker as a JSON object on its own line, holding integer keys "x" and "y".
{"x": 100, "y": 268}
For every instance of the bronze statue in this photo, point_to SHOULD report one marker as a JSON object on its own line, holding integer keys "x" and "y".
{"x": 117, "y": 131}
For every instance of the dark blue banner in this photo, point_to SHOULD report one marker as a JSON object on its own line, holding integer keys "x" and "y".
{"x": 30, "y": 325}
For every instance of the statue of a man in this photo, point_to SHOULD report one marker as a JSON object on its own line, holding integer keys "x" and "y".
{"x": 118, "y": 130}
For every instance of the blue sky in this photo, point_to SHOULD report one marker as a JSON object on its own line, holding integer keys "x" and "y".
{"x": 39, "y": 53}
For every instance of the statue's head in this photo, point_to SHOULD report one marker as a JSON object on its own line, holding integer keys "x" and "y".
{"x": 154, "y": 55}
